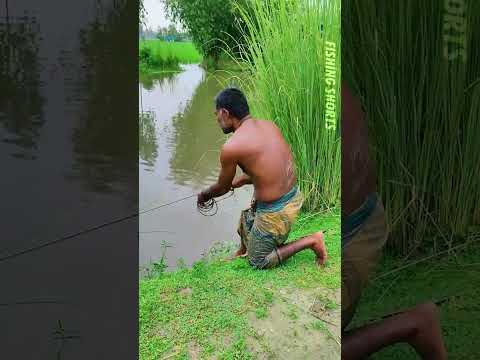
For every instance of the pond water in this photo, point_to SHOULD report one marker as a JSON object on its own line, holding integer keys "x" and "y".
{"x": 179, "y": 144}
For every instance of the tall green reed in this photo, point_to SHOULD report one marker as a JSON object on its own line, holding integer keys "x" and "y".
{"x": 423, "y": 113}
{"x": 285, "y": 55}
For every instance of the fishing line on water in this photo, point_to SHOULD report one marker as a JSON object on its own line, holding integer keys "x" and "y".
{"x": 203, "y": 209}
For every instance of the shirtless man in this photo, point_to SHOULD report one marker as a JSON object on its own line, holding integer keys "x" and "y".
{"x": 364, "y": 233}
{"x": 258, "y": 147}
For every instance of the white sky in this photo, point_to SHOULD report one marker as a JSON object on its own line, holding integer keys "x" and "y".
{"x": 156, "y": 15}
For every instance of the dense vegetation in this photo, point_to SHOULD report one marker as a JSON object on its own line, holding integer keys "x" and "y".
{"x": 423, "y": 114}
{"x": 215, "y": 25}
{"x": 285, "y": 51}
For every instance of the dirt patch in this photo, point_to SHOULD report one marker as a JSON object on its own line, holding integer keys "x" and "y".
{"x": 194, "y": 351}
{"x": 299, "y": 325}
{"x": 185, "y": 291}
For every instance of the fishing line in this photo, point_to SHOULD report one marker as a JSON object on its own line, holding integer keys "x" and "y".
{"x": 203, "y": 209}
{"x": 35, "y": 302}
{"x": 164, "y": 205}
{"x": 438, "y": 302}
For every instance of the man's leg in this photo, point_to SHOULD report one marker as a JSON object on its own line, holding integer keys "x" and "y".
{"x": 418, "y": 327}
{"x": 360, "y": 254}
{"x": 244, "y": 227}
{"x": 314, "y": 242}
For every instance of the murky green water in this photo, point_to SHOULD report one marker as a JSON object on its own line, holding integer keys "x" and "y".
{"x": 179, "y": 156}
{"x": 68, "y": 147}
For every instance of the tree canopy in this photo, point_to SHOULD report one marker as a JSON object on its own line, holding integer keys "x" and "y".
{"x": 213, "y": 24}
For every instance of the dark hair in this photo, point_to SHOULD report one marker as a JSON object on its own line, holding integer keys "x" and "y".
{"x": 234, "y": 101}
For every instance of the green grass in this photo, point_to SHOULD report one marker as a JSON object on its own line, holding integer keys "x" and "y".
{"x": 212, "y": 313}
{"x": 434, "y": 280}
{"x": 286, "y": 55}
{"x": 158, "y": 56}
{"x": 422, "y": 110}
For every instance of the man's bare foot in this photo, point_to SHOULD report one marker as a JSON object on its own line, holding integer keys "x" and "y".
{"x": 427, "y": 339}
{"x": 319, "y": 247}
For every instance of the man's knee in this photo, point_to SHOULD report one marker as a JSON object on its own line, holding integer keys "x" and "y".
{"x": 261, "y": 265}
{"x": 265, "y": 262}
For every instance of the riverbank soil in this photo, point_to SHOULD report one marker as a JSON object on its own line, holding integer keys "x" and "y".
{"x": 301, "y": 325}
{"x": 221, "y": 309}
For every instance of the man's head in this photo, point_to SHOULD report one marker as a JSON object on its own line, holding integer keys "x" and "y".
{"x": 231, "y": 107}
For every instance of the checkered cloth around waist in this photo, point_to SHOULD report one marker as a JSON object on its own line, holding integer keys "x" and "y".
{"x": 354, "y": 221}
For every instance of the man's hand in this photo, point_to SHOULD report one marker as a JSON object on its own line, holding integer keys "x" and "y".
{"x": 202, "y": 198}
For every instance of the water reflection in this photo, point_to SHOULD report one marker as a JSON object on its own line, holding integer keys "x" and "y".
{"x": 104, "y": 148}
{"x": 147, "y": 138}
{"x": 49, "y": 92}
{"x": 179, "y": 154}
{"x": 150, "y": 81}
{"x": 197, "y": 137}
{"x": 21, "y": 105}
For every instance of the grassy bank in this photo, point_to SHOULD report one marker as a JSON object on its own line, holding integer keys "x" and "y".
{"x": 206, "y": 309}
{"x": 161, "y": 56}
{"x": 435, "y": 279}
{"x": 286, "y": 53}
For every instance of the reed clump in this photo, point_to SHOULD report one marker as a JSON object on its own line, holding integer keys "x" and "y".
{"x": 292, "y": 51}
{"x": 423, "y": 113}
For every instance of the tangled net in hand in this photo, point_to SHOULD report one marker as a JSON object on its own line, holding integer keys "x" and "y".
{"x": 210, "y": 207}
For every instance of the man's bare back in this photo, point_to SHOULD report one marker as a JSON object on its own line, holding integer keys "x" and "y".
{"x": 358, "y": 172}
{"x": 263, "y": 154}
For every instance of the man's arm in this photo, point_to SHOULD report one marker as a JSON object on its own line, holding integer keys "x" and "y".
{"x": 227, "y": 173}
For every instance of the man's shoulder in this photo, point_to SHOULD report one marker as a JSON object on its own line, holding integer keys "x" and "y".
{"x": 269, "y": 125}
{"x": 247, "y": 139}
{"x": 231, "y": 147}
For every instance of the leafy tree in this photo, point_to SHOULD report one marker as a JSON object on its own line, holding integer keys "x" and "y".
{"x": 142, "y": 13}
{"x": 172, "y": 30}
{"x": 161, "y": 31}
{"x": 212, "y": 24}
